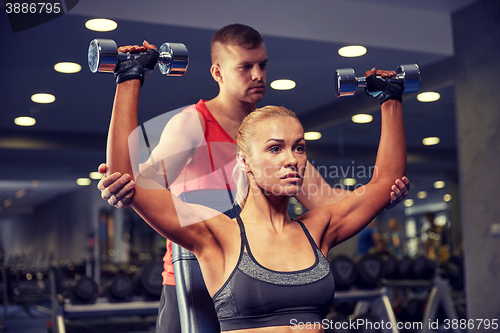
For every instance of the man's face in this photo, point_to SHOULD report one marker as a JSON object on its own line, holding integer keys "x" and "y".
{"x": 244, "y": 72}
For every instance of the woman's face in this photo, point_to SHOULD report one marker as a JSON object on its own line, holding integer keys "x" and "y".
{"x": 277, "y": 157}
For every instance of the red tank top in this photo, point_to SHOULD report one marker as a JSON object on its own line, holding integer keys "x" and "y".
{"x": 203, "y": 171}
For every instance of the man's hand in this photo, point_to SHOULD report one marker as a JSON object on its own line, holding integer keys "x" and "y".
{"x": 400, "y": 190}
{"x": 117, "y": 189}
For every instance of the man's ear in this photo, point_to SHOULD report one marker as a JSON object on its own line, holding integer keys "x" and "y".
{"x": 216, "y": 72}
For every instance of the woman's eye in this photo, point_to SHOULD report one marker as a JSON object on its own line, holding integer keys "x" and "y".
{"x": 300, "y": 149}
{"x": 274, "y": 149}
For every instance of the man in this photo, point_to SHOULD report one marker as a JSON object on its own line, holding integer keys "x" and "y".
{"x": 239, "y": 66}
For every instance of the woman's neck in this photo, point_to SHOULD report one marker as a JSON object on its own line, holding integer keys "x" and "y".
{"x": 267, "y": 209}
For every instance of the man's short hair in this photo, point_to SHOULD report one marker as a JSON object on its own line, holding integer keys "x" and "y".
{"x": 235, "y": 34}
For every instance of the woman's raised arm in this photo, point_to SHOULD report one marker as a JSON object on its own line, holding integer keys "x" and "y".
{"x": 359, "y": 208}
{"x": 158, "y": 207}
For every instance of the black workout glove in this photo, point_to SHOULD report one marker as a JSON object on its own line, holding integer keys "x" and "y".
{"x": 384, "y": 90}
{"x": 138, "y": 67}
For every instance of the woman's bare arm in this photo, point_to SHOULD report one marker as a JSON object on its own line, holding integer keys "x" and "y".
{"x": 357, "y": 210}
{"x": 158, "y": 207}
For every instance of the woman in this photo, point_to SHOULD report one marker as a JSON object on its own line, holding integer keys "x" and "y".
{"x": 266, "y": 272}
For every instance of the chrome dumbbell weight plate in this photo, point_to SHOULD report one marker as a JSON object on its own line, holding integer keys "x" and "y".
{"x": 411, "y": 76}
{"x": 346, "y": 81}
{"x": 174, "y": 59}
{"x": 102, "y": 55}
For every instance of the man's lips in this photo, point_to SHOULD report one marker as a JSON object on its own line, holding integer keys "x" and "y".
{"x": 258, "y": 89}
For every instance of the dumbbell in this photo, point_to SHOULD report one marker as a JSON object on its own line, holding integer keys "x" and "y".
{"x": 370, "y": 271}
{"x": 344, "y": 271}
{"x": 346, "y": 82}
{"x": 103, "y": 56}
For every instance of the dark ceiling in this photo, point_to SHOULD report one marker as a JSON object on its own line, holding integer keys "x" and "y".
{"x": 69, "y": 138}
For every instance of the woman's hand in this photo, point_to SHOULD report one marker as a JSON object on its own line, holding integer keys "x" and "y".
{"x": 136, "y": 48}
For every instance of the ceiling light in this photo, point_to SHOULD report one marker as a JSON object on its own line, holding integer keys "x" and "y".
{"x": 83, "y": 181}
{"x": 430, "y": 141}
{"x": 447, "y": 197}
{"x": 67, "y": 67}
{"x": 362, "y": 118}
{"x": 312, "y": 135}
{"x": 21, "y": 193}
{"x": 95, "y": 175}
{"x": 350, "y": 181}
{"x": 283, "y": 84}
{"x": 43, "y": 98}
{"x": 352, "y": 51}
{"x": 297, "y": 209}
{"x": 408, "y": 202}
{"x": 422, "y": 195}
{"x": 101, "y": 25}
{"x": 7, "y": 202}
{"x": 428, "y": 96}
{"x": 439, "y": 184}
{"x": 25, "y": 121}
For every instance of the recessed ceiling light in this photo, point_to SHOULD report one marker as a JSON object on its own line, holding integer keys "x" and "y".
{"x": 447, "y": 197}
{"x": 21, "y": 193}
{"x": 362, "y": 118}
{"x": 95, "y": 175}
{"x": 283, "y": 84}
{"x": 431, "y": 141}
{"x": 428, "y": 96}
{"x": 439, "y": 184}
{"x": 67, "y": 67}
{"x": 101, "y": 25}
{"x": 422, "y": 195}
{"x": 43, "y": 98}
{"x": 408, "y": 202}
{"x": 352, "y": 51}
{"x": 83, "y": 181}
{"x": 350, "y": 181}
{"x": 25, "y": 121}
{"x": 312, "y": 135}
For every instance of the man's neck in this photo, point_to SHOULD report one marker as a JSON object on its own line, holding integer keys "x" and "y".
{"x": 229, "y": 113}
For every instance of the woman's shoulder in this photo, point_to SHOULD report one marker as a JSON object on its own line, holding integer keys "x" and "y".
{"x": 316, "y": 220}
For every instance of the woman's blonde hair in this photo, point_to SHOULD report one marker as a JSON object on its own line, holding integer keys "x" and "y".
{"x": 245, "y": 134}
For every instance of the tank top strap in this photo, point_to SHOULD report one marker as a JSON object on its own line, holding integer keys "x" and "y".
{"x": 243, "y": 235}
{"x": 311, "y": 240}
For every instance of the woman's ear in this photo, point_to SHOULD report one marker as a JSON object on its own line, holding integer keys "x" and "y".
{"x": 242, "y": 162}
